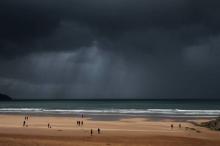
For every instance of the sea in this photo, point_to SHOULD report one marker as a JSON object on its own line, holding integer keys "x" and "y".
{"x": 98, "y": 107}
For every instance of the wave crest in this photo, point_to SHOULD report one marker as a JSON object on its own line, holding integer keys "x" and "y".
{"x": 153, "y": 112}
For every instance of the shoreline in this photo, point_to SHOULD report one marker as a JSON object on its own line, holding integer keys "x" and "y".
{"x": 116, "y": 117}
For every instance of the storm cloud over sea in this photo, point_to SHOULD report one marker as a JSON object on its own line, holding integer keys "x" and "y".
{"x": 109, "y": 49}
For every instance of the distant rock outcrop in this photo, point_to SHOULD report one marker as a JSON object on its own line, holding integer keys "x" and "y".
{"x": 213, "y": 124}
{"x": 4, "y": 97}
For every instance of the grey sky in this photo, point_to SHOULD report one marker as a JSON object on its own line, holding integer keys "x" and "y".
{"x": 110, "y": 49}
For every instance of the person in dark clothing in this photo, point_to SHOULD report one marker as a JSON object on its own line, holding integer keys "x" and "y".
{"x": 82, "y": 123}
{"x": 99, "y": 131}
{"x": 24, "y": 123}
{"x": 91, "y": 132}
{"x": 171, "y": 126}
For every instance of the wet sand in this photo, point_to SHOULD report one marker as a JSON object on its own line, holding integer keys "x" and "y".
{"x": 126, "y": 131}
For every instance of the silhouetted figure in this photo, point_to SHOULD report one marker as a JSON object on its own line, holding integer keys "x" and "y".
{"x": 82, "y": 123}
{"x": 99, "y": 131}
{"x": 24, "y": 123}
{"x": 78, "y": 123}
{"x": 48, "y": 125}
{"x": 171, "y": 126}
{"x": 26, "y": 117}
{"x": 180, "y": 125}
{"x": 91, "y": 132}
{"x": 82, "y": 115}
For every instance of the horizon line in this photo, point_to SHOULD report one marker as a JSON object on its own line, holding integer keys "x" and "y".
{"x": 116, "y": 99}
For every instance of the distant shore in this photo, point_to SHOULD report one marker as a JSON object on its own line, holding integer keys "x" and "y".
{"x": 123, "y": 131}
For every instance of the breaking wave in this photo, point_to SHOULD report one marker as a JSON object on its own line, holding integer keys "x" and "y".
{"x": 150, "y": 112}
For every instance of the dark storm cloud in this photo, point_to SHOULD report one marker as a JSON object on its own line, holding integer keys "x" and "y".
{"x": 27, "y": 26}
{"x": 117, "y": 48}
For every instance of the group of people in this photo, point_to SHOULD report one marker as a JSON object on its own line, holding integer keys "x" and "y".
{"x": 25, "y": 121}
{"x": 98, "y": 130}
{"x": 26, "y": 118}
{"x": 79, "y": 123}
{"x": 172, "y": 126}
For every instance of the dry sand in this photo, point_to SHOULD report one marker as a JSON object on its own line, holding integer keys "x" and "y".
{"x": 129, "y": 131}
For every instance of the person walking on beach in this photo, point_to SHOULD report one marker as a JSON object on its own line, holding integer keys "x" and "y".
{"x": 26, "y": 117}
{"x": 99, "y": 131}
{"x": 91, "y": 132}
{"x": 24, "y": 123}
{"x": 82, "y": 123}
{"x": 180, "y": 125}
{"x": 48, "y": 125}
{"x": 171, "y": 126}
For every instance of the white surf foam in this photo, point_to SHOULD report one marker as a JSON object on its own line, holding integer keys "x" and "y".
{"x": 154, "y": 112}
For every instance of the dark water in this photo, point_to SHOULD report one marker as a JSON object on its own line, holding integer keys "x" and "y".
{"x": 175, "y": 108}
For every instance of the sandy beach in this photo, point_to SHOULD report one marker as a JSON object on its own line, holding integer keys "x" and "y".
{"x": 126, "y": 131}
